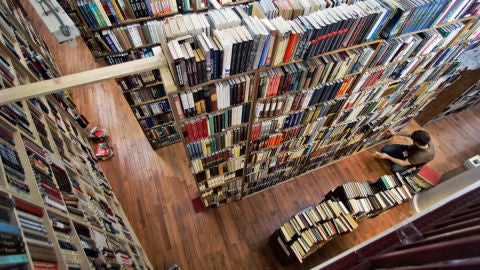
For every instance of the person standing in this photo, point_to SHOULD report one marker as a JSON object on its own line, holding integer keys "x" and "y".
{"x": 404, "y": 157}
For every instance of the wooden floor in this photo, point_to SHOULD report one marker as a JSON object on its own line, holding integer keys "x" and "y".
{"x": 155, "y": 188}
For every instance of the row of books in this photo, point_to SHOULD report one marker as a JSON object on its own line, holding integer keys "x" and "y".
{"x": 274, "y": 162}
{"x": 212, "y": 144}
{"x": 231, "y": 55}
{"x": 217, "y": 158}
{"x": 6, "y": 72}
{"x": 257, "y": 182}
{"x": 216, "y": 174}
{"x": 30, "y": 219}
{"x": 415, "y": 45}
{"x": 226, "y": 193}
{"x": 51, "y": 189}
{"x": 306, "y": 116}
{"x": 41, "y": 129}
{"x": 410, "y": 17}
{"x": 282, "y": 49}
{"x": 216, "y": 122}
{"x": 161, "y": 131}
{"x": 15, "y": 114}
{"x": 14, "y": 171}
{"x": 145, "y": 94}
{"x": 155, "y": 120}
{"x": 62, "y": 230}
{"x": 152, "y": 108}
{"x": 107, "y": 13}
{"x": 12, "y": 246}
{"x": 311, "y": 73}
{"x": 299, "y": 100}
{"x": 292, "y": 9}
{"x": 215, "y": 97}
{"x": 378, "y": 91}
{"x": 260, "y": 155}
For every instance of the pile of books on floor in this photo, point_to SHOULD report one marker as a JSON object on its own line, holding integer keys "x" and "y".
{"x": 345, "y": 206}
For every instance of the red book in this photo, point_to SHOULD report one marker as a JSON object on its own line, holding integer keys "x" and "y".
{"x": 290, "y": 46}
{"x": 429, "y": 175}
{"x": 25, "y": 207}
{"x": 189, "y": 128}
{"x": 178, "y": 106}
{"x": 200, "y": 129}
{"x": 195, "y": 130}
{"x": 44, "y": 265}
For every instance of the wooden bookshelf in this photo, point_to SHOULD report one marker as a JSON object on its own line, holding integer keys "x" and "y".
{"x": 59, "y": 204}
{"x": 401, "y": 87}
{"x": 443, "y": 99}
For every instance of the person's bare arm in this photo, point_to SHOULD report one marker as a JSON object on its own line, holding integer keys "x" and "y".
{"x": 400, "y": 162}
{"x": 400, "y": 133}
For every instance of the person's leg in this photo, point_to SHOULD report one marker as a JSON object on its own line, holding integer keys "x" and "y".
{"x": 395, "y": 150}
{"x": 398, "y": 168}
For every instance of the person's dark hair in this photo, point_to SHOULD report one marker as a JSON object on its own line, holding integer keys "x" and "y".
{"x": 421, "y": 137}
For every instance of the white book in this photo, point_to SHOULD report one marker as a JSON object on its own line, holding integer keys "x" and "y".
{"x": 137, "y": 41}
{"x": 167, "y": 30}
{"x": 174, "y": 27}
{"x": 188, "y": 24}
{"x": 205, "y": 25}
{"x": 181, "y": 25}
{"x": 203, "y": 42}
{"x": 196, "y": 23}
{"x": 225, "y": 41}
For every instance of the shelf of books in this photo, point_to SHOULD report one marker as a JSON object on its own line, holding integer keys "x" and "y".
{"x": 280, "y": 93}
{"x": 116, "y": 26}
{"x": 58, "y": 210}
{"x": 146, "y": 95}
{"x": 340, "y": 212}
{"x": 469, "y": 98}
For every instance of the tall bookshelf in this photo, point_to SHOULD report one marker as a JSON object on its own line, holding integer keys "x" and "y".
{"x": 457, "y": 97}
{"x": 380, "y": 68}
{"x": 115, "y": 26}
{"x": 120, "y": 31}
{"x": 58, "y": 209}
{"x": 146, "y": 95}
{"x": 374, "y": 80}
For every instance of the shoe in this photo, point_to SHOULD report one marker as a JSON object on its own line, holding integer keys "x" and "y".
{"x": 97, "y": 134}
{"x": 104, "y": 151}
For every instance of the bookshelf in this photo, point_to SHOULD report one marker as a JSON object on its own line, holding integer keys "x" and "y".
{"x": 58, "y": 209}
{"x": 460, "y": 95}
{"x": 313, "y": 105}
{"x": 116, "y": 26}
{"x": 146, "y": 95}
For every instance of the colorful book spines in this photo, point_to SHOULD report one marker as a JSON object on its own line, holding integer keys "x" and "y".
{"x": 216, "y": 122}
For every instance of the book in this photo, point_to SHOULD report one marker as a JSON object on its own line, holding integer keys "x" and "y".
{"x": 427, "y": 177}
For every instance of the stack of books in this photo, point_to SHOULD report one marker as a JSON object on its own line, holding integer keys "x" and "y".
{"x": 315, "y": 226}
{"x": 12, "y": 247}
{"x": 62, "y": 230}
{"x": 14, "y": 171}
{"x": 425, "y": 178}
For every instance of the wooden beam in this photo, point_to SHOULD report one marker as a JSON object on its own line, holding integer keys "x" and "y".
{"x": 67, "y": 82}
